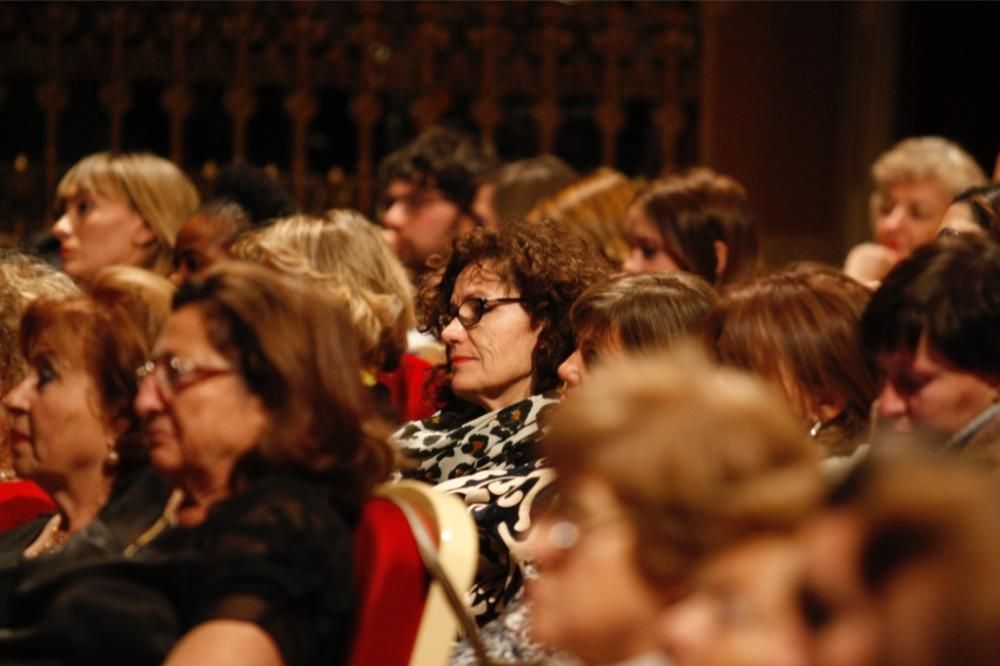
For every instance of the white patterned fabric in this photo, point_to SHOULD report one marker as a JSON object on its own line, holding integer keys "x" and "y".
{"x": 491, "y": 461}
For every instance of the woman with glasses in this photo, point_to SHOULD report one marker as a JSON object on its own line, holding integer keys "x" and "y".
{"x": 500, "y": 304}
{"x": 72, "y": 427}
{"x": 253, "y": 408}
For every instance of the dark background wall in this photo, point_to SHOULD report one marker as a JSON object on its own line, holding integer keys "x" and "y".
{"x": 794, "y": 99}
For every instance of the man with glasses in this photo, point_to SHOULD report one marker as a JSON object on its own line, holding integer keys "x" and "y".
{"x": 430, "y": 185}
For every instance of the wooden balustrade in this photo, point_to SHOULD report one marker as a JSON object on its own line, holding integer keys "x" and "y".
{"x": 354, "y": 81}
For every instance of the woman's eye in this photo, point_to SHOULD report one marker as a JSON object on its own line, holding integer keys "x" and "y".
{"x": 46, "y": 374}
{"x": 82, "y": 206}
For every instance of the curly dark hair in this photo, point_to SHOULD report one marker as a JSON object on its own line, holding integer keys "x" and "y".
{"x": 545, "y": 261}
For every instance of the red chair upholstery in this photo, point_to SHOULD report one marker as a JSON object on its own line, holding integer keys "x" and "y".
{"x": 404, "y": 617}
{"x": 22, "y": 501}
{"x": 392, "y": 585}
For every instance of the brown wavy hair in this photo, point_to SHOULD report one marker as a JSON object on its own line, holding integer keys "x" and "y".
{"x": 548, "y": 264}
{"x": 296, "y": 350}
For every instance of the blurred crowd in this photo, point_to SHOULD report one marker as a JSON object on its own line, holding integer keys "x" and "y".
{"x": 672, "y": 453}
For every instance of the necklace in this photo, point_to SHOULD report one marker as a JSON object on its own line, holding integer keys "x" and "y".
{"x": 52, "y": 537}
{"x": 167, "y": 519}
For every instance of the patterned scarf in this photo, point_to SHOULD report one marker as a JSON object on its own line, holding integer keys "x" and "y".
{"x": 491, "y": 462}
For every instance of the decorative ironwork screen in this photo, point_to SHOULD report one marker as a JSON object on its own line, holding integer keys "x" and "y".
{"x": 320, "y": 92}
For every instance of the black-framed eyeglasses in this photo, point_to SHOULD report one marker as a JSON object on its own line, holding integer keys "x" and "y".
{"x": 172, "y": 374}
{"x": 472, "y": 309}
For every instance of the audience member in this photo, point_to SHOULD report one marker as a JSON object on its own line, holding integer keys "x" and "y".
{"x": 593, "y": 206}
{"x": 121, "y": 209}
{"x": 903, "y": 567}
{"x": 698, "y": 222}
{"x": 508, "y": 193}
{"x": 631, "y": 313}
{"x": 430, "y": 185}
{"x": 932, "y": 328}
{"x": 500, "y": 304}
{"x": 974, "y": 211}
{"x": 648, "y": 455}
{"x": 798, "y": 330}
{"x": 914, "y": 182}
{"x": 253, "y": 407}
{"x": 22, "y": 279}
{"x": 73, "y": 430}
{"x": 244, "y": 198}
{"x": 344, "y": 255}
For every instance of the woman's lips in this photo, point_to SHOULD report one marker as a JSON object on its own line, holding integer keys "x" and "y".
{"x": 458, "y": 360}
{"x": 17, "y": 438}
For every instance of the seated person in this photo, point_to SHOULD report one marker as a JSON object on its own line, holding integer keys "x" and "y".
{"x": 253, "y": 408}
{"x": 645, "y": 452}
{"x": 500, "y": 304}
{"x": 430, "y": 185}
{"x": 243, "y": 198}
{"x": 72, "y": 427}
{"x": 697, "y": 222}
{"x": 509, "y": 192}
{"x": 121, "y": 209}
{"x": 798, "y": 330}
{"x": 974, "y": 211}
{"x": 22, "y": 279}
{"x": 593, "y": 206}
{"x": 634, "y": 312}
{"x": 914, "y": 182}
{"x": 932, "y": 328}
{"x": 902, "y": 567}
{"x": 344, "y": 255}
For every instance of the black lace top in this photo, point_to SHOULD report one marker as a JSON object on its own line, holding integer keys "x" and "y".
{"x": 278, "y": 555}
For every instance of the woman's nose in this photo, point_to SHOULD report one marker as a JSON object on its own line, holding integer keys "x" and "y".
{"x": 62, "y": 227}
{"x": 147, "y": 399}
{"x": 572, "y": 370}
{"x": 453, "y": 332}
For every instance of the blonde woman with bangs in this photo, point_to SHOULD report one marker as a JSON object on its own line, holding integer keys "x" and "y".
{"x": 344, "y": 255}
{"x": 121, "y": 209}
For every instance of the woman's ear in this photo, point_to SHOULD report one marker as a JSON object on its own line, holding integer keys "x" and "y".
{"x": 142, "y": 234}
{"x": 721, "y": 258}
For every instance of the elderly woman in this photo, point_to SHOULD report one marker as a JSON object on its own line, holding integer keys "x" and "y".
{"x": 121, "y": 209}
{"x": 629, "y": 313}
{"x": 253, "y": 408}
{"x": 799, "y": 329}
{"x": 344, "y": 255}
{"x": 23, "y": 278}
{"x": 73, "y": 431}
{"x": 500, "y": 304}
{"x": 651, "y": 454}
{"x": 914, "y": 183}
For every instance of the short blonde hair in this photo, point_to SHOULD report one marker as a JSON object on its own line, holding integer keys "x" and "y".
{"x": 344, "y": 255}
{"x": 594, "y": 206}
{"x": 697, "y": 454}
{"x": 154, "y": 187}
{"x": 928, "y": 157}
